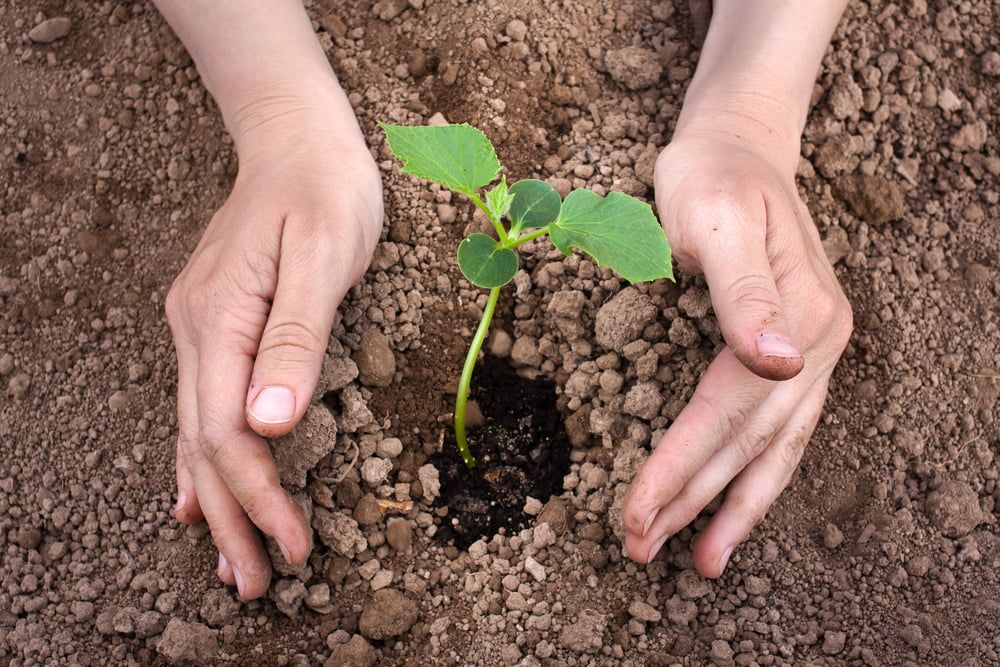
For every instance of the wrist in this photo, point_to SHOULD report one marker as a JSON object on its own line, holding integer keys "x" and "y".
{"x": 756, "y": 73}
{"x": 279, "y": 118}
{"x": 758, "y": 121}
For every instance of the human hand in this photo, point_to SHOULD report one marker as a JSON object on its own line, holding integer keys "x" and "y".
{"x": 251, "y": 315}
{"x": 731, "y": 211}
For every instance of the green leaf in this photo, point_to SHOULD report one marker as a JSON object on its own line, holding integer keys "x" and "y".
{"x": 486, "y": 263}
{"x": 459, "y": 157}
{"x": 535, "y": 204}
{"x": 618, "y": 231}
{"x": 499, "y": 198}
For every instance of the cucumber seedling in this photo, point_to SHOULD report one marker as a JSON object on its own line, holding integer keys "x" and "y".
{"x": 617, "y": 231}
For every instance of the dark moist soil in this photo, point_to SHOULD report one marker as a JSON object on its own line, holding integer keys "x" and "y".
{"x": 522, "y": 450}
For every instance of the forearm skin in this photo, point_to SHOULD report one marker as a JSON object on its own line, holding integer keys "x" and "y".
{"x": 261, "y": 62}
{"x": 757, "y": 69}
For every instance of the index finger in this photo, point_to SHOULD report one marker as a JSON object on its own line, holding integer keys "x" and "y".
{"x": 725, "y": 397}
{"x": 240, "y": 456}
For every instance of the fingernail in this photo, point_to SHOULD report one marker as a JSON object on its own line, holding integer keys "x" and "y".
{"x": 284, "y": 552}
{"x": 181, "y": 500}
{"x": 649, "y": 521}
{"x": 223, "y": 564}
{"x": 655, "y": 549}
{"x": 240, "y": 583}
{"x": 775, "y": 345}
{"x": 273, "y": 405}
{"x": 725, "y": 559}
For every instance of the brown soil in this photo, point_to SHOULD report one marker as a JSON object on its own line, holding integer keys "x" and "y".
{"x": 884, "y": 550}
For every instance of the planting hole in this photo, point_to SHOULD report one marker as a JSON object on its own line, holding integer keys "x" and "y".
{"x": 522, "y": 450}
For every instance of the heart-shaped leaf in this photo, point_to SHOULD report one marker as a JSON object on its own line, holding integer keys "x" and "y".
{"x": 486, "y": 263}
{"x": 459, "y": 157}
{"x": 618, "y": 231}
{"x": 535, "y": 204}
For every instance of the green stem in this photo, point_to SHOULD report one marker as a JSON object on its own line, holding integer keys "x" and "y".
{"x": 529, "y": 237}
{"x": 462, "y": 397}
{"x": 501, "y": 232}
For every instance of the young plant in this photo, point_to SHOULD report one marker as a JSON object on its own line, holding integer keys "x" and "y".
{"x": 617, "y": 231}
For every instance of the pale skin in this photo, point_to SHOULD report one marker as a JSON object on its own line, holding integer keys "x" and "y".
{"x": 252, "y": 310}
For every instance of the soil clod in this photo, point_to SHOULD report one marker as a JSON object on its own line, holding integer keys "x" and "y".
{"x": 388, "y": 613}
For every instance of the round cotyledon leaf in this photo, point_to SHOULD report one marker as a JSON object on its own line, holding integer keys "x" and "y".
{"x": 535, "y": 204}
{"x": 486, "y": 263}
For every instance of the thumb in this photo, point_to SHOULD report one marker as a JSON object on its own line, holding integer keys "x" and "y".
{"x": 292, "y": 346}
{"x": 745, "y": 296}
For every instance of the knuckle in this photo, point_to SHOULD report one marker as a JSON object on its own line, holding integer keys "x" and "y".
{"x": 792, "y": 448}
{"x": 729, "y": 420}
{"x": 263, "y": 496}
{"x": 223, "y": 533}
{"x": 662, "y": 164}
{"x": 189, "y": 449}
{"x": 187, "y": 302}
{"x": 209, "y": 449}
{"x": 752, "y": 440}
{"x": 212, "y": 445}
{"x": 736, "y": 418}
{"x": 723, "y": 207}
{"x": 329, "y": 242}
{"x": 292, "y": 337}
{"x": 370, "y": 210}
{"x": 730, "y": 417}
{"x": 197, "y": 302}
{"x": 832, "y": 312}
{"x": 702, "y": 400}
{"x": 172, "y": 305}
{"x": 751, "y": 510}
{"x": 756, "y": 291}
{"x": 356, "y": 249}
{"x": 826, "y": 308}
{"x": 844, "y": 325}
{"x": 756, "y": 512}
{"x": 685, "y": 510}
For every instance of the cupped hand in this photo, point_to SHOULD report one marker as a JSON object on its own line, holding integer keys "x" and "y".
{"x": 251, "y": 315}
{"x": 732, "y": 212}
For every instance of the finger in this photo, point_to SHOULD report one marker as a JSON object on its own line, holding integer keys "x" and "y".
{"x": 726, "y": 396}
{"x": 756, "y": 488}
{"x": 239, "y": 455}
{"x": 735, "y": 454}
{"x": 290, "y": 354}
{"x": 231, "y": 530}
{"x": 225, "y": 571}
{"x": 187, "y": 510}
{"x": 733, "y": 252}
{"x": 243, "y": 560}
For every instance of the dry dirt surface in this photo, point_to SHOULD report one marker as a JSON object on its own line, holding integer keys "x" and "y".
{"x": 885, "y": 549}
